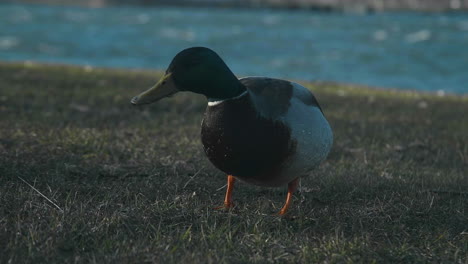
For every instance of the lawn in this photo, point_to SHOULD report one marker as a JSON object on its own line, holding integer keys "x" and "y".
{"x": 86, "y": 177}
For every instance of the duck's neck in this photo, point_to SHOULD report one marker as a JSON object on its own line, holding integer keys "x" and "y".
{"x": 224, "y": 90}
{"x": 221, "y": 84}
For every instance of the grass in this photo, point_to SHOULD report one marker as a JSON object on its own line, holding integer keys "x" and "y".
{"x": 133, "y": 185}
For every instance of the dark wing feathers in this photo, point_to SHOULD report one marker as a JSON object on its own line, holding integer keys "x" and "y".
{"x": 272, "y": 97}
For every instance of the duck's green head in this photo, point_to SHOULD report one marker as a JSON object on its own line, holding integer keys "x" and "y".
{"x": 199, "y": 70}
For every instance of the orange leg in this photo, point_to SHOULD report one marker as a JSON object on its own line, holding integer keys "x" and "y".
{"x": 292, "y": 186}
{"x": 228, "y": 199}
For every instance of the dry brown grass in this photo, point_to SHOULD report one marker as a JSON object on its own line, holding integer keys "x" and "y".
{"x": 134, "y": 185}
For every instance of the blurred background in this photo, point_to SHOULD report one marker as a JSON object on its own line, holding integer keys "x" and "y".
{"x": 399, "y": 44}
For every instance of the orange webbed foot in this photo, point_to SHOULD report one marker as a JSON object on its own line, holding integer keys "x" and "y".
{"x": 228, "y": 198}
{"x": 225, "y": 207}
{"x": 292, "y": 186}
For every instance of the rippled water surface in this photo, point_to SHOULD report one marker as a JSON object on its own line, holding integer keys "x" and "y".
{"x": 396, "y": 50}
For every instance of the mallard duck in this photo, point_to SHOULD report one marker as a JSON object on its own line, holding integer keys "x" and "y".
{"x": 264, "y": 131}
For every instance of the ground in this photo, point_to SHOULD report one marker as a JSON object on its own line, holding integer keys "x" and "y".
{"x": 86, "y": 177}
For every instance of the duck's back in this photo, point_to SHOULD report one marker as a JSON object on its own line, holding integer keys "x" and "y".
{"x": 267, "y": 136}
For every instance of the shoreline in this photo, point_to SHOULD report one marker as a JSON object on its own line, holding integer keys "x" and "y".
{"x": 344, "y": 6}
{"x": 329, "y": 85}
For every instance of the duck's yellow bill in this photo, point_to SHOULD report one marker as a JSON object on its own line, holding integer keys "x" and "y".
{"x": 165, "y": 87}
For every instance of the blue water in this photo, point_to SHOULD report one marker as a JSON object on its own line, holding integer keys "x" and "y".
{"x": 396, "y": 50}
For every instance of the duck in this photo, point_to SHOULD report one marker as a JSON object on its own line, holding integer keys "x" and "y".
{"x": 260, "y": 130}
